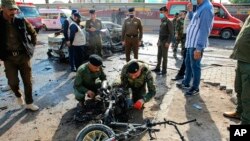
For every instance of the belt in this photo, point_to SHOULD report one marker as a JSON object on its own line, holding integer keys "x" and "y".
{"x": 131, "y": 36}
{"x": 15, "y": 53}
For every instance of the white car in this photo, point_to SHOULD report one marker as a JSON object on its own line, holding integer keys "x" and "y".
{"x": 111, "y": 41}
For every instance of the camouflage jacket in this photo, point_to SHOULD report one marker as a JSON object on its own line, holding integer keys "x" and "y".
{"x": 179, "y": 28}
{"x": 140, "y": 82}
{"x": 86, "y": 80}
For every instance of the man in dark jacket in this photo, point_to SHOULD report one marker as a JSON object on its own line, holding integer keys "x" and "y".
{"x": 16, "y": 50}
{"x": 66, "y": 25}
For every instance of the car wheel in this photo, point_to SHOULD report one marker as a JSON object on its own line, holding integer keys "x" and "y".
{"x": 226, "y": 34}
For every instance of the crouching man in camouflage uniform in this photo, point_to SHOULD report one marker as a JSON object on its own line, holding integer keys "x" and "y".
{"x": 89, "y": 78}
{"x": 136, "y": 75}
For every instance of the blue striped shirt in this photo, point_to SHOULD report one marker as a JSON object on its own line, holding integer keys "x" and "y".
{"x": 200, "y": 26}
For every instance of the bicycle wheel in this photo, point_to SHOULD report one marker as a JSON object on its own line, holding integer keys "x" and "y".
{"x": 95, "y": 132}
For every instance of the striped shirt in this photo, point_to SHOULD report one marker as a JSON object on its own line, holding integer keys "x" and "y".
{"x": 200, "y": 26}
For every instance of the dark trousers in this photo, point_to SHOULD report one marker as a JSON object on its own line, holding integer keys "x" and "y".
{"x": 131, "y": 44}
{"x": 162, "y": 56}
{"x": 13, "y": 65}
{"x": 242, "y": 83}
{"x": 183, "y": 65}
{"x": 80, "y": 55}
{"x": 71, "y": 57}
{"x": 95, "y": 44}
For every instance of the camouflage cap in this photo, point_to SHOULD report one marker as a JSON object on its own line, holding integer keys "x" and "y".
{"x": 10, "y": 4}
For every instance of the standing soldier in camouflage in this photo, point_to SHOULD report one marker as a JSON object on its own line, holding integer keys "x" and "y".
{"x": 242, "y": 78}
{"x": 93, "y": 27}
{"x": 136, "y": 75}
{"x": 165, "y": 36}
{"x": 179, "y": 33}
{"x": 131, "y": 34}
{"x": 88, "y": 79}
{"x": 17, "y": 43}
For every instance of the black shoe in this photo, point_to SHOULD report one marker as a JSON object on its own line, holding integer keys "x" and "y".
{"x": 156, "y": 70}
{"x": 182, "y": 86}
{"x": 192, "y": 92}
{"x": 177, "y": 77}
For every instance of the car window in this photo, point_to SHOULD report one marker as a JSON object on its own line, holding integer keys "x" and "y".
{"x": 49, "y": 15}
{"x": 29, "y": 11}
{"x": 176, "y": 9}
{"x": 219, "y": 12}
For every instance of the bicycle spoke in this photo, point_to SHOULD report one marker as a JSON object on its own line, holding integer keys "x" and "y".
{"x": 96, "y": 136}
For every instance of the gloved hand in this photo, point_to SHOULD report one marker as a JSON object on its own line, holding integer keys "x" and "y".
{"x": 138, "y": 104}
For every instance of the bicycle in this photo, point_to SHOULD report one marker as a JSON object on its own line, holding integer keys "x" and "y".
{"x": 101, "y": 132}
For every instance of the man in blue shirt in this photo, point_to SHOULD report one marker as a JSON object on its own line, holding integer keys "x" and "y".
{"x": 198, "y": 31}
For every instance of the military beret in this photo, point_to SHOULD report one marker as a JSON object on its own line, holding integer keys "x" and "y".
{"x": 133, "y": 67}
{"x": 92, "y": 11}
{"x": 132, "y": 9}
{"x": 77, "y": 14}
{"x": 164, "y": 8}
{"x": 95, "y": 60}
{"x": 74, "y": 11}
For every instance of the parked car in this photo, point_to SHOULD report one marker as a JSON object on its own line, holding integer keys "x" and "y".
{"x": 225, "y": 25}
{"x": 111, "y": 41}
{"x": 30, "y": 12}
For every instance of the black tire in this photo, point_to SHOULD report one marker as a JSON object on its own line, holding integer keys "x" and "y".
{"x": 226, "y": 34}
{"x": 94, "y": 131}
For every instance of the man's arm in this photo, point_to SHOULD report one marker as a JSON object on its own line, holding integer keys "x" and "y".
{"x": 65, "y": 30}
{"x": 171, "y": 31}
{"x": 123, "y": 30}
{"x": 79, "y": 89}
{"x": 87, "y": 26}
{"x": 140, "y": 28}
{"x": 206, "y": 19}
{"x": 73, "y": 29}
{"x": 151, "y": 87}
{"x": 31, "y": 31}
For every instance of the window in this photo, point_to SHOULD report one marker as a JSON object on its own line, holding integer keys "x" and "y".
{"x": 29, "y": 11}
{"x": 176, "y": 9}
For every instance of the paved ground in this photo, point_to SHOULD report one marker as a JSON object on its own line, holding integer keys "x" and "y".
{"x": 53, "y": 93}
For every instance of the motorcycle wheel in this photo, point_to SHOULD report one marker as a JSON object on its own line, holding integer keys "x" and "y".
{"x": 95, "y": 132}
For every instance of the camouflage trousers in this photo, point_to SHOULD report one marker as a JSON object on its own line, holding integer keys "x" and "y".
{"x": 242, "y": 83}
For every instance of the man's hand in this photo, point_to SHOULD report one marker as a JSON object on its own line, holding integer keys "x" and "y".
{"x": 68, "y": 43}
{"x": 123, "y": 43}
{"x": 166, "y": 45}
{"x": 90, "y": 94}
{"x": 92, "y": 29}
{"x": 190, "y": 7}
{"x": 197, "y": 54}
{"x": 138, "y": 104}
{"x": 139, "y": 43}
